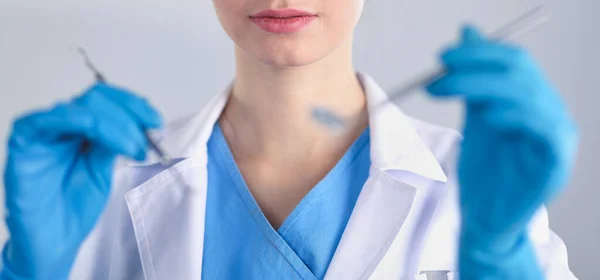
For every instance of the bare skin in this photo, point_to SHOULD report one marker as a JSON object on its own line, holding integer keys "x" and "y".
{"x": 281, "y": 152}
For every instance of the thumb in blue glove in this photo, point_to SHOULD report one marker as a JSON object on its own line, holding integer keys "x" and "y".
{"x": 58, "y": 176}
{"x": 517, "y": 154}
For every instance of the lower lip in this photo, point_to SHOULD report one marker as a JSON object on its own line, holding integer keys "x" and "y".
{"x": 283, "y": 25}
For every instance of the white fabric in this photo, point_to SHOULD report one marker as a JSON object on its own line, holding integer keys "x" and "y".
{"x": 153, "y": 226}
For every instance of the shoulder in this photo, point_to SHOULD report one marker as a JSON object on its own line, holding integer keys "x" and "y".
{"x": 175, "y": 126}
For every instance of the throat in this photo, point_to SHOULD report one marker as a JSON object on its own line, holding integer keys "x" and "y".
{"x": 280, "y": 174}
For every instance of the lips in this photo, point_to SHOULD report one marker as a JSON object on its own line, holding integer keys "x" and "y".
{"x": 282, "y": 21}
{"x": 284, "y": 13}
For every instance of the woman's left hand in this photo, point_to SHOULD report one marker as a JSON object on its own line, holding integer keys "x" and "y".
{"x": 519, "y": 143}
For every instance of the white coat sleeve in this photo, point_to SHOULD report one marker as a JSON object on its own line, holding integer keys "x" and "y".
{"x": 550, "y": 250}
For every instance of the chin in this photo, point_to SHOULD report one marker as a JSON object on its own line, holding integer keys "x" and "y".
{"x": 292, "y": 60}
{"x": 282, "y": 56}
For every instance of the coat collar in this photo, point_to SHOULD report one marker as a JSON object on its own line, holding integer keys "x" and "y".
{"x": 395, "y": 144}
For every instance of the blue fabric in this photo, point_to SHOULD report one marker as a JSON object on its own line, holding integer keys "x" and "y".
{"x": 239, "y": 242}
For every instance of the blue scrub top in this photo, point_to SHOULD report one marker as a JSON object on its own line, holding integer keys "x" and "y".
{"x": 240, "y": 243}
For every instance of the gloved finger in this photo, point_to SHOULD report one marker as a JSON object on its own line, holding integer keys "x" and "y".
{"x": 71, "y": 119}
{"x": 110, "y": 111}
{"x": 147, "y": 115}
{"x": 470, "y": 35}
{"x": 482, "y": 87}
{"x": 504, "y": 117}
{"x": 485, "y": 54}
{"x": 102, "y": 160}
{"x": 555, "y": 135}
{"x": 539, "y": 120}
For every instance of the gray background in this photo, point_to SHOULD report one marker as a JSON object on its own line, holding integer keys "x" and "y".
{"x": 175, "y": 53}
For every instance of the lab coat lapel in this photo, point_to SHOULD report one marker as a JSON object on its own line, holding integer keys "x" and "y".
{"x": 402, "y": 176}
{"x": 380, "y": 211}
{"x": 168, "y": 210}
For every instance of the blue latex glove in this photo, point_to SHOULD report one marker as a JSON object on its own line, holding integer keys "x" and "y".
{"x": 58, "y": 176}
{"x": 518, "y": 151}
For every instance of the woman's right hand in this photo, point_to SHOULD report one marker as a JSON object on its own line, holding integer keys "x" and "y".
{"x": 58, "y": 176}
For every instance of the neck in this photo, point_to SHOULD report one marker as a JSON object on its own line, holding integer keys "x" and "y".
{"x": 268, "y": 115}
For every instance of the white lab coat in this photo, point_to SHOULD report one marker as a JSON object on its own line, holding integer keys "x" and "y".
{"x": 153, "y": 226}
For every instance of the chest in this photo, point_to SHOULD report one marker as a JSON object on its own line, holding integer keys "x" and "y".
{"x": 281, "y": 189}
{"x": 305, "y": 242}
{"x": 161, "y": 230}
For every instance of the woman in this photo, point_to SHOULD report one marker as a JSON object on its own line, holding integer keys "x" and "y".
{"x": 257, "y": 190}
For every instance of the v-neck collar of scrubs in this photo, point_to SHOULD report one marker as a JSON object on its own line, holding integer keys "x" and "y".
{"x": 308, "y": 237}
{"x": 332, "y": 177}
